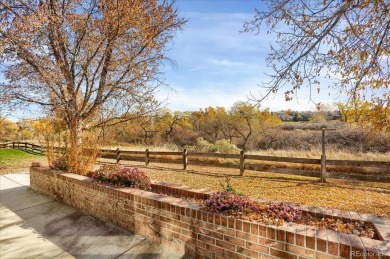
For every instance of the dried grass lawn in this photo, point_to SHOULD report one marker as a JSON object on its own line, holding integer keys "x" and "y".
{"x": 360, "y": 196}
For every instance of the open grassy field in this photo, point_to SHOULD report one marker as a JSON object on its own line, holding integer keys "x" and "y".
{"x": 17, "y": 160}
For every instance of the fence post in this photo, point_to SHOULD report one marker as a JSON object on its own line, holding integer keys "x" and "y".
{"x": 25, "y": 145}
{"x": 13, "y": 144}
{"x": 185, "y": 159}
{"x": 323, "y": 158}
{"x": 118, "y": 155}
{"x": 147, "y": 160}
{"x": 242, "y": 160}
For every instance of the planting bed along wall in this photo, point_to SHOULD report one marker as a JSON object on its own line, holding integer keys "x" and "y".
{"x": 182, "y": 225}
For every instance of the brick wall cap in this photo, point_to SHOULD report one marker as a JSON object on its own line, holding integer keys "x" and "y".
{"x": 35, "y": 164}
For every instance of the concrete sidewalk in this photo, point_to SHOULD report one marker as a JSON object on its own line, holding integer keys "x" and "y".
{"x": 33, "y": 225}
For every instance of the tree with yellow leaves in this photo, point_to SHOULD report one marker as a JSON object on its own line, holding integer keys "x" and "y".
{"x": 80, "y": 57}
{"x": 344, "y": 40}
{"x": 248, "y": 122}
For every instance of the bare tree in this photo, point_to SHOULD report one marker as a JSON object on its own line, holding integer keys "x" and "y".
{"x": 78, "y": 57}
{"x": 346, "y": 40}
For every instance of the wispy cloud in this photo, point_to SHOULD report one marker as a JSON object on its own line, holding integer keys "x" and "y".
{"x": 225, "y": 62}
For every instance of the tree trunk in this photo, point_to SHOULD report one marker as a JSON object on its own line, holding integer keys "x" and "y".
{"x": 75, "y": 161}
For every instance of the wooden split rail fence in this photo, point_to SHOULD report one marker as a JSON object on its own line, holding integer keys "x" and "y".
{"x": 24, "y": 145}
{"x": 185, "y": 158}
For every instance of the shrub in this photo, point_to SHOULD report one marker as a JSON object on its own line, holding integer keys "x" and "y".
{"x": 224, "y": 146}
{"x": 220, "y": 146}
{"x": 60, "y": 163}
{"x": 235, "y": 203}
{"x": 123, "y": 176}
{"x": 269, "y": 213}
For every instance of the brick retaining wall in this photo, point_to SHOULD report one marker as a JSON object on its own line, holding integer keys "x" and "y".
{"x": 182, "y": 226}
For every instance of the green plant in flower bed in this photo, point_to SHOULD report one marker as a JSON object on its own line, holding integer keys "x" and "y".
{"x": 60, "y": 163}
{"x": 123, "y": 176}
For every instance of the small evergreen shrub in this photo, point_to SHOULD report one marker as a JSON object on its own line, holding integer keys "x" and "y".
{"x": 60, "y": 163}
{"x": 123, "y": 176}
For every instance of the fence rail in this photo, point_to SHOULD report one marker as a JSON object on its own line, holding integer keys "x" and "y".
{"x": 24, "y": 145}
{"x": 186, "y": 157}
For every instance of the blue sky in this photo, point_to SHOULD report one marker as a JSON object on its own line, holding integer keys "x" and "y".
{"x": 217, "y": 65}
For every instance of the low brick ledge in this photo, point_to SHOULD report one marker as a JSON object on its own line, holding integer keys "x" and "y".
{"x": 183, "y": 226}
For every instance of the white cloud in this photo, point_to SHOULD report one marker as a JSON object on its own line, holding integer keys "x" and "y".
{"x": 225, "y": 62}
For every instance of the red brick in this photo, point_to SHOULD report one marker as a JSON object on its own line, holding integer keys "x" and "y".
{"x": 275, "y": 244}
{"x": 300, "y": 233}
{"x": 256, "y": 247}
{"x": 210, "y": 217}
{"x": 246, "y": 236}
{"x": 233, "y": 240}
{"x": 300, "y": 251}
{"x": 200, "y": 244}
{"x": 206, "y": 239}
{"x": 290, "y": 236}
{"x": 187, "y": 220}
{"x": 204, "y": 215}
{"x": 247, "y": 252}
{"x": 226, "y": 231}
{"x": 174, "y": 228}
{"x": 246, "y": 226}
{"x": 216, "y": 235}
{"x": 345, "y": 245}
{"x": 224, "y": 221}
{"x": 322, "y": 240}
{"x": 206, "y": 253}
{"x": 214, "y": 249}
{"x": 239, "y": 225}
{"x": 311, "y": 237}
{"x": 217, "y": 219}
{"x": 271, "y": 232}
{"x": 282, "y": 254}
{"x": 193, "y": 213}
{"x": 188, "y": 233}
{"x": 333, "y": 242}
{"x": 262, "y": 230}
{"x": 232, "y": 255}
{"x": 225, "y": 245}
{"x": 254, "y": 228}
{"x": 231, "y": 222}
{"x": 320, "y": 255}
{"x": 202, "y": 231}
{"x": 281, "y": 234}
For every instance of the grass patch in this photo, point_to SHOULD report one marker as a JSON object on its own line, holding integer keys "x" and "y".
{"x": 18, "y": 160}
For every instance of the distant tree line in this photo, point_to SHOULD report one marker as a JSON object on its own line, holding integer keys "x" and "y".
{"x": 243, "y": 126}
